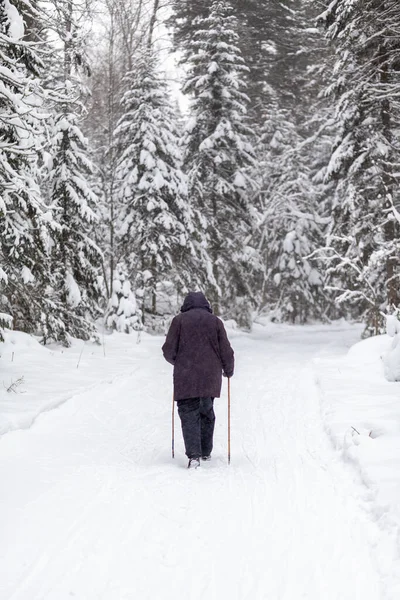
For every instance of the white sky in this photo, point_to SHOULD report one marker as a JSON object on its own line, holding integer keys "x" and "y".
{"x": 163, "y": 40}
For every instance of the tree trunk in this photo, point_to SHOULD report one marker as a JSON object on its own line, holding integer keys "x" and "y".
{"x": 152, "y": 23}
{"x": 111, "y": 127}
{"x": 391, "y": 226}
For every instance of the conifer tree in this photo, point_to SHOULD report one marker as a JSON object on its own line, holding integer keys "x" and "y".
{"x": 364, "y": 233}
{"x": 268, "y": 42}
{"x": 25, "y": 222}
{"x": 76, "y": 258}
{"x": 292, "y": 226}
{"x": 122, "y": 313}
{"x": 219, "y": 150}
{"x": 294, "y": 146}
{"x": 155, "y": 218}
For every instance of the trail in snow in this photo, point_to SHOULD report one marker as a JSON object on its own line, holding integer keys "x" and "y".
{"x": 94, "y": 508}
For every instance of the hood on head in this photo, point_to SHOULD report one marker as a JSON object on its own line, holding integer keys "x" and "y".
{"x": 195, "y": 300}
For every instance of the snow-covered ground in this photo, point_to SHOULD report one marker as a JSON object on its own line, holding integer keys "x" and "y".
{"x": 361, "y": 412}
{"x": 94, "y": 508}
{"x": 34, "y": 378}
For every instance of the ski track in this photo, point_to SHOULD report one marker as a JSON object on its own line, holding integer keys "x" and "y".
{"x": 95, "y": 509}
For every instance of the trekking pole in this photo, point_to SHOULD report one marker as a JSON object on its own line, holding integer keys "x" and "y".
{"x": 173, "y": 426}
{"x": 229, "y": 421}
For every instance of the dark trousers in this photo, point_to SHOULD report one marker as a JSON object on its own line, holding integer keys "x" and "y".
{"x": 198, "y": 420}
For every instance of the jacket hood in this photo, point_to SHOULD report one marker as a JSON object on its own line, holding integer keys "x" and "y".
{"x": 195, "y": 300}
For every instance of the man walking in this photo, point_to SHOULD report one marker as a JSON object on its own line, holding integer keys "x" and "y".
{"x": 199, "y": 349}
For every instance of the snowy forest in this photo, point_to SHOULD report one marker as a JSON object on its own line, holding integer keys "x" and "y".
{"x": 248, "y": 149}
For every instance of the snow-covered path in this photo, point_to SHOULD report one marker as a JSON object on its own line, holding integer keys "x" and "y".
{"x": 93, "y": 507}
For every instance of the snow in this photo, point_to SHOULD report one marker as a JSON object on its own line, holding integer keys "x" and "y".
{"x": 277, "y": 278}
{"x": 16, "y": 28}
{"x": 147, "y": 159}
{"x": 289, "y": 242}
{"x": 361, "y": 411}
{"x": 42, "y": 390}
{"x": 382, "y": 149}
{"x": 27, "y": 275}
{"x": 158, "y": 180}
{"x": 213, "y": 67}
{"x": 147, "y": 275}
{"x": 126, "y": 288}
{"x": 74, "y": 294}
{"x": 117, "y": 285}
{"x": 48, "y": 161}
{"x": 314, "y": 277}
{"x": 391, "y": 358}
{"x": 3, "y": 275}
{"x": 392, "y": 325}
{"x": 96, "y": 508}
{"x": 5, "y": 318}
{"x": 239, "y": 181}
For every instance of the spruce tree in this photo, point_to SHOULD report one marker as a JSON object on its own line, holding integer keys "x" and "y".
{"x": 75, "y": 294}
{"x": 76, "y": 258}
{"x": 295, "y": 199}
{"x": 122, "y": 313}
{"x": 219, "y": 151}
{"x": 268, "y": 42}
{"x": 155, "y": 219}
{"x": 364, "y": 233}
{"x": 293, "y": 226}
{"x": 25, "y": 222}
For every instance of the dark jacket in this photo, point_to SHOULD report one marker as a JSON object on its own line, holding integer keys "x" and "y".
{"x": 198, "y": 347}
